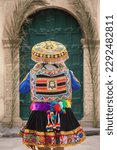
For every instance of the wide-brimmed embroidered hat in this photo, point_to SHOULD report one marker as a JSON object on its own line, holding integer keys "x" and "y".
{"x": 49, "y": 52}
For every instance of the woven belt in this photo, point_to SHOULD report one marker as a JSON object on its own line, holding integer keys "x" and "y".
{"x": 58, "y": 106}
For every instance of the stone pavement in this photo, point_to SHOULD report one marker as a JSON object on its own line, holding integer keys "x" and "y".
{"x": 91, "y": 143}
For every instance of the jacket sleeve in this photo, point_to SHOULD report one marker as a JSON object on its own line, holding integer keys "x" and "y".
{"x": 25, "y": 85}
{"x": 74, "y": 81}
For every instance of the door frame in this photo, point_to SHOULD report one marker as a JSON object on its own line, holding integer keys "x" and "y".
{"x": 79, "y": 113}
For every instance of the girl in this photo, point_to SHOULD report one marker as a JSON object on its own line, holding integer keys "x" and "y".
{"x": 52, "y": 123}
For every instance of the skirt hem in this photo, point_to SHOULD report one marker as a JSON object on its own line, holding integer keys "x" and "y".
{"x": 56, "y": 146}
{"x": 53, "y": 139}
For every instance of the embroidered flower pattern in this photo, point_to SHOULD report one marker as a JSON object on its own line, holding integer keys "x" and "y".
{"x": 38, "y": 138}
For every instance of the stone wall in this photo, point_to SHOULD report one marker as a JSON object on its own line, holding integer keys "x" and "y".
{"x": 2, "y": 96}
{"x": 6, "y": 9}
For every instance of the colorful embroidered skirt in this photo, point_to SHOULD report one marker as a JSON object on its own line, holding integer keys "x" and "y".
{"x": 34, "y": 134}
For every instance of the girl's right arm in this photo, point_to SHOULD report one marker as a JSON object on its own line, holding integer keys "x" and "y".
{"x": 25, "y": 85}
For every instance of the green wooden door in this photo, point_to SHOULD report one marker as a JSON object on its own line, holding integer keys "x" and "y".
{"x": 53, "y": 24}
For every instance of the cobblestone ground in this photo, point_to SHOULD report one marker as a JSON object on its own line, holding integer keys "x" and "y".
{"x": 91, "y": 143}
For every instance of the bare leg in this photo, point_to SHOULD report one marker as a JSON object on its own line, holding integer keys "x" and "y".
{"x": 59, "y": 148}
{"x": 44, "y": 148}
{"x": 32, "y": 147}
{"x": 41, "y": 148}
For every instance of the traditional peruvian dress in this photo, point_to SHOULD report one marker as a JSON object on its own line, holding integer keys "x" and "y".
{"x": 51, "y": 122}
